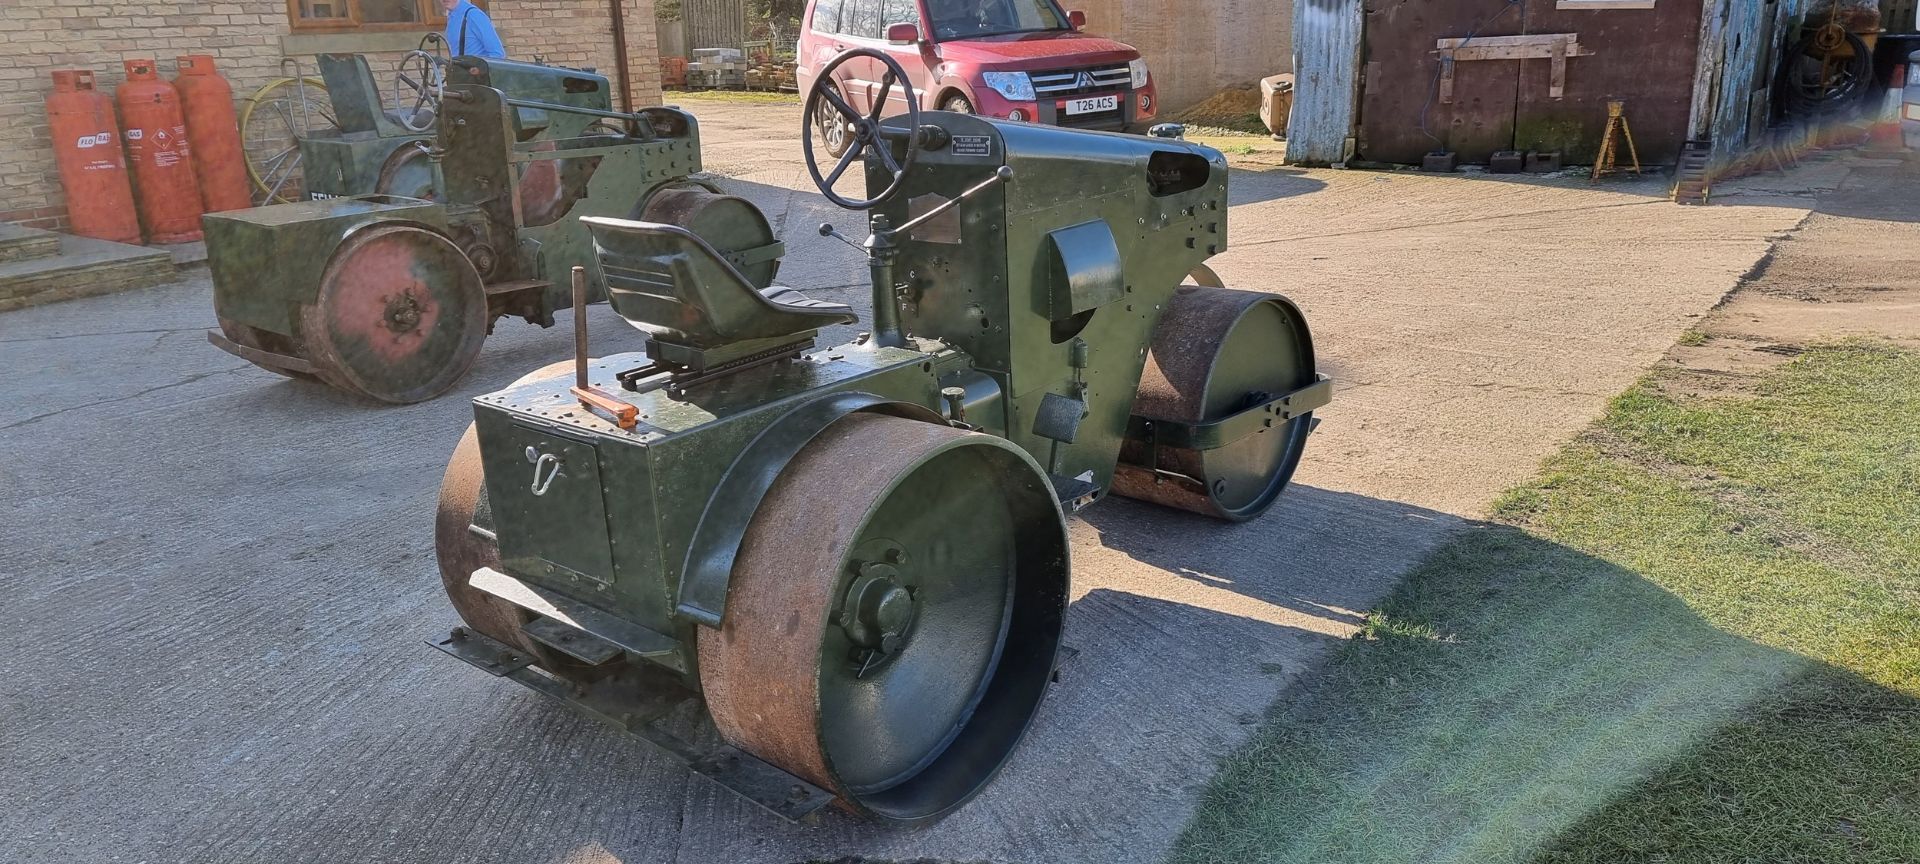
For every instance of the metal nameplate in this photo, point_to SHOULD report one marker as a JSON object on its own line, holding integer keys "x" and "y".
{"x": 972, "y": 145}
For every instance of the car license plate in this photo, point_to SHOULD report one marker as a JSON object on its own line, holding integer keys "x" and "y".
{"x": 1092, "y": 103}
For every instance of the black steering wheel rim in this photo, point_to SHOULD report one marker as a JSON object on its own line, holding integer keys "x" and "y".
{"x": 865, "y": 129}
{"x": 429, "y": 91}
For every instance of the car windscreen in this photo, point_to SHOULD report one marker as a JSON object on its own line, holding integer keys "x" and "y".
{"x": 965, "y": 19}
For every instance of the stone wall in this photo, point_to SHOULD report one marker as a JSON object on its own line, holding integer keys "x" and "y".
{"x": 248, "y": 39}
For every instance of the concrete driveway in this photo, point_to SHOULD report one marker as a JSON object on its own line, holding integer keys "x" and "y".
{"x": 218, "y": 581}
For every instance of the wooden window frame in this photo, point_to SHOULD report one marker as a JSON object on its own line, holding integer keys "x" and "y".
{"x": 434, "y": 20}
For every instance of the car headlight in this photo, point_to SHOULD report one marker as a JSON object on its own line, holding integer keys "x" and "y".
{"x": 1015, "y": 86}
{"x": 1137, "y": 73}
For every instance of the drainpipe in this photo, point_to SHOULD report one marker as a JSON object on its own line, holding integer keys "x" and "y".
{"x": 620, "y": 53}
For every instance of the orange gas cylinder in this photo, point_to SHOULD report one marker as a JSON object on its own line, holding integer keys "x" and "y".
{"x": 86, "y": 145}
{"x": 156, "y": 135}
{"x": 218, "y": 160}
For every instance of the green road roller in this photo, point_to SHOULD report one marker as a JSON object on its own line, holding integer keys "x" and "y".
{"x": 389, "y": 296}
{"x": 854, "y": 559}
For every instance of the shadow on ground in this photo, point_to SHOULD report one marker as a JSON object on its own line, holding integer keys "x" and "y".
{"x": 1514, "y": 689}
{"x": 1254, "y": 185}
{"x": 222, "y": 581}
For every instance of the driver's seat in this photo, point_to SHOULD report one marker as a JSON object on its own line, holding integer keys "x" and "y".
{"x": 356, "y": 98}
{"x": 698, "y": 309}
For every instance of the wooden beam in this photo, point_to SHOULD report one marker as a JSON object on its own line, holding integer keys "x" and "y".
{"x": 1558, "y": 87}
{"x": 1556, "y": 47}
{"x": 1512, "y": 47}
{"x": 1532, "y": 39}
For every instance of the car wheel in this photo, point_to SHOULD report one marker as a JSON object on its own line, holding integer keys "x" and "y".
{"x": 958, "y": 104}
{"x": 833, "y": 131}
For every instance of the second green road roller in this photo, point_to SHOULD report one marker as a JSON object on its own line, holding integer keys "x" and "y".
{"x": 389, "y": 296}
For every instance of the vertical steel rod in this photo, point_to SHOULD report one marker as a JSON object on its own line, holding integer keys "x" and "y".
{"x": 580, "y": 327}
{"x": 886, "y": 301}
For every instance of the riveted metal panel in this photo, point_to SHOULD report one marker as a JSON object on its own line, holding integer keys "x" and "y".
{"x": 654, "y": 479}
{"x": 991, "y": 295}
{"x": 545, "y": 490}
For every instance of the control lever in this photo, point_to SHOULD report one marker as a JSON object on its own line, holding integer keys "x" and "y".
{"x": 827, "y": 230}
{"x": 881, "y": 251}
{"x": 1003, "y": 175}
{"x": 625, "y": 414}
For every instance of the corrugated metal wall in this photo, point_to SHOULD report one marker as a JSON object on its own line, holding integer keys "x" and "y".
{"x": 1742, "y": 41}
{"x": 1326, "y": 71}
{"x": 714, "y": 23}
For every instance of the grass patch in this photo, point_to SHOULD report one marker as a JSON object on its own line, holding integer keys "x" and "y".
{"x": 736, "y": 97}
{"x": 1237, "y": 126}
{"x": 1696, "y": 637}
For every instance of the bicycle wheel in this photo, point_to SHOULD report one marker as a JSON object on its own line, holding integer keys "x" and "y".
{"x": 273, "y": 120}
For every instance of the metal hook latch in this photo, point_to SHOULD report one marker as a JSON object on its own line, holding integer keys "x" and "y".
{"x": 546, "y": 463}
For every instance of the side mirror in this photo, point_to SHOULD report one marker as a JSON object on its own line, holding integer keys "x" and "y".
{"x": 1077, "y": 19}
{"x": 903, "y": 33}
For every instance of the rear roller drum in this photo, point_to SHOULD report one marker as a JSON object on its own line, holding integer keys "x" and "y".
{"x": 400, "y": 315}
{"x": 408, "y": 172}
{"x": 1215, "y": 352}
{"x": 460, "y": 551}
{"x": 730, "y": 224}
{"x": 894, "y": 615}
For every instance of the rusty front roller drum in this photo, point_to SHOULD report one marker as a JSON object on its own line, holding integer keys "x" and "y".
{"x": 460, "y": 550}
{"x": 893, "y": 617}
{"x": 400, "y": 315}
{"x": 1215, "y": 352}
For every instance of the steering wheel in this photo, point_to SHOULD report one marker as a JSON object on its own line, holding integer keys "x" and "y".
{"x": 865, "y": 129}
{"x": 429, "y": 91}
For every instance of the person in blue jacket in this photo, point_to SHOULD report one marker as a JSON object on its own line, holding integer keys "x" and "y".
{"x": 470, "y": 32}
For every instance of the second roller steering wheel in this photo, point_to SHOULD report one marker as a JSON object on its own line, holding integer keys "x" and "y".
{"x": 865, "y": 129}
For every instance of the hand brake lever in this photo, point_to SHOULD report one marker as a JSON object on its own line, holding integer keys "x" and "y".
{"x": 1002, "y": 175}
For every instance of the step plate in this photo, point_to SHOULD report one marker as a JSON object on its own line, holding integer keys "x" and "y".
{"x": 638, "y": 711}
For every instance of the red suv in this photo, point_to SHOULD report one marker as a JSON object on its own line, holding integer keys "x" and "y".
{"x": 1018, "y": 59}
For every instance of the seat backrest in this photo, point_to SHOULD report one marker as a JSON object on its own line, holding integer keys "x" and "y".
{"x": 354, "y": 96}
{"x": 666, "y": 281}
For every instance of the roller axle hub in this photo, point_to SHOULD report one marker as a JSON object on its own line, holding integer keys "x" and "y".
{"x": 404, "y": 310}
{"x": 877, "y": 614}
